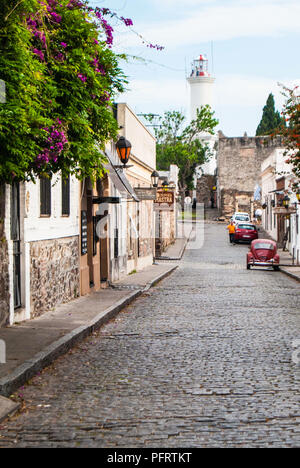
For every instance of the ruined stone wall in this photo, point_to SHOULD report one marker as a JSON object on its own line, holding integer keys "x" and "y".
{"x": 204, "y": 189}
{"x": 239, "y": 170}
{"x": 4, "y": 274}
{"x": 54, "y": 273}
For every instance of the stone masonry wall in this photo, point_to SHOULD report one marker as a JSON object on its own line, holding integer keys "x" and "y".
{"x": 54, "y": 275}
{"x": 4, "y": 275}
{"x": 239, "y": 169}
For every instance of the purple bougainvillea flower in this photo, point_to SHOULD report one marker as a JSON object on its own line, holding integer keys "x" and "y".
{"x": 127, "y": 21}
{"x": 40, "y": 54}
{"x": 60, "y": 57}
{"x": 64, "y": 45}
{"x": 56, "y": 17}
{"x": 83, "y": 78}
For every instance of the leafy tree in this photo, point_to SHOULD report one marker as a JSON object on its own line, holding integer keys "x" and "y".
{"x": 291, "y": 132}
{"x": 183, "y": 146}
{"x": 270, "y": 120}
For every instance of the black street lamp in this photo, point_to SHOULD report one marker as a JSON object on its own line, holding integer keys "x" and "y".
{"x": 154, "y": 178}
{"x": 123, "y": 149}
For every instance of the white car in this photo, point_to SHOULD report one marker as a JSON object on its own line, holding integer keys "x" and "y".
{"x": 240, "y": 217}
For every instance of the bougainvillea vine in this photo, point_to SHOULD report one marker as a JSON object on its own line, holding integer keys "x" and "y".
{"x": 61, "y": 78}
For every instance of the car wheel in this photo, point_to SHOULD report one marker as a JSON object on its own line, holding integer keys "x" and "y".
{"x": 276, "y": 268}
{"x": 248, "y": 266}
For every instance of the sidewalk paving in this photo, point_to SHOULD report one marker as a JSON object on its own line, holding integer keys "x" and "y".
{"x": 289, "y": 268}
{"x": 36, "y": 343}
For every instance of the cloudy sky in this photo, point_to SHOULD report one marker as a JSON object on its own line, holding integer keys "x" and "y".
{"x": 252, "y": 45}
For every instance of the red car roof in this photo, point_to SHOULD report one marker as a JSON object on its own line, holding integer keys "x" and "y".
{"x": 264, "y": 240}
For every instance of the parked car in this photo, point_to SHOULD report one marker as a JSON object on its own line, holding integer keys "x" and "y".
{"x": 240, "y": 217}
{"x": 245, "y": 232}
{"x": 263, "y": 252}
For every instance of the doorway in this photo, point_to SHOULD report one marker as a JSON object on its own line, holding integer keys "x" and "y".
{"x": 15, "y": 237}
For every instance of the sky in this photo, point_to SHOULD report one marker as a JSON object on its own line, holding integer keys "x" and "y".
{"x": 252, "y": 46}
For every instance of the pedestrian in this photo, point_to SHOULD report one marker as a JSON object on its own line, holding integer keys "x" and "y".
{"x": 231, "y": 230}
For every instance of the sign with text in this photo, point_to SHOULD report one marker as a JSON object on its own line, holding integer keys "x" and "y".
{"x": 144, "y": 193}
{"x": 164, "y": 201}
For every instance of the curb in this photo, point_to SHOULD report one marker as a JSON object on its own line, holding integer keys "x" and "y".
{"x": 187, "y": 239}
{"x": 31, "y": 367}
{"x": 291, "y": 275}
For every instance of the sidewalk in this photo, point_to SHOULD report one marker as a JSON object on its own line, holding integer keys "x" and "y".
{"x": 289, "y": 269}
{"x": 176, "y": 250}
{"x": 36, "y": 343}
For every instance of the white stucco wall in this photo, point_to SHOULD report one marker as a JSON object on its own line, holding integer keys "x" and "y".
{"x": 55, "y": 226}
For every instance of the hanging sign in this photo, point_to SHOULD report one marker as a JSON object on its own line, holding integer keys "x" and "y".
{"x": 164, "y": 201}
{"x": 83, "y": 232}
{"x": 146, "y": 193}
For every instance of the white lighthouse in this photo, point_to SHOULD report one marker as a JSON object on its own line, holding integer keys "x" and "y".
{"x": 202, "y": 94}
{"x": 201, "y": 86}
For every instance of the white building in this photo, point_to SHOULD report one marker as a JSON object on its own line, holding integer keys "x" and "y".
{"x": 134, "y": 219}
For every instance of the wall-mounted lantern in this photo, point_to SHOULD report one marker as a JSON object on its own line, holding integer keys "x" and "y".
{"x": 286, "y": 202}
{"x": 123, "y": 149}
{"x": 154, "y": 178}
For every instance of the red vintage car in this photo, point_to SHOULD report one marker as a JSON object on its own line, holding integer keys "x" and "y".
{"x": 245, "y": 232}
{"x": 263, "y": 252}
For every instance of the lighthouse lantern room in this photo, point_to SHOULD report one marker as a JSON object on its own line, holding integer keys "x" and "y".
{"x": 200, "y": 66}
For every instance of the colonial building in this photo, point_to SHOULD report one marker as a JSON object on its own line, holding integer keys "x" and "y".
{"x": 280, "y": 205}
{"x": 39, "y": 248}
{"x": 132, "y": 221}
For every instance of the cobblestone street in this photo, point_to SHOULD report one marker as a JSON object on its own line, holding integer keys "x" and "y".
{"x": 204, "y": 359}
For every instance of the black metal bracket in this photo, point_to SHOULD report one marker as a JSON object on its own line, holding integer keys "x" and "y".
{"x": 112, "y": 200}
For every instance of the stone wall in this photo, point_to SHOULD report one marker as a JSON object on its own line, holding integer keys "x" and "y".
{"x": 54, "y": 273}
{"x": 239, "y": 170}
{"x": 204, "y": 189}
{"x": 4, "y": 274}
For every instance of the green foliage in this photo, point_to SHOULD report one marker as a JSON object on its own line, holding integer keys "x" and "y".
{"x": 291, "y": 132}
{"x": 61, "y": 76}
{"x": 270, "y": 120}
{"x": 183, "y": 146}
